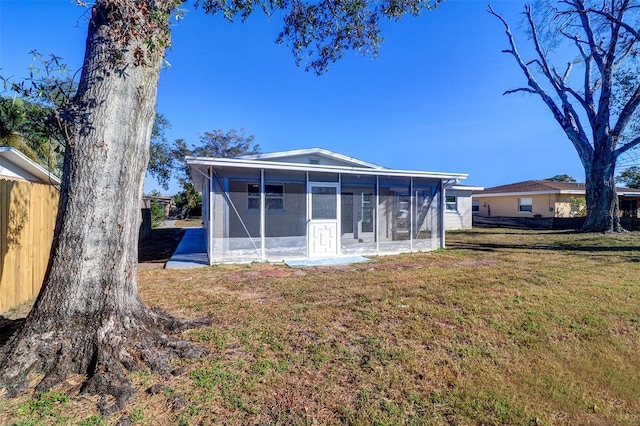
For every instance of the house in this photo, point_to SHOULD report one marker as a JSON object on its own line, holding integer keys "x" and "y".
{"x": 543, "y": 198}
{"x": 165, "y": 201}
{"x": 314, "y": 203}
{"x": 28, "y": 207}
{"x": 14, "y": 165}
{"x": 458, "y": 207}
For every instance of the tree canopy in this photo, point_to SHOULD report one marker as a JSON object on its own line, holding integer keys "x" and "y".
{"x": 630, "y": 177}
{"x": 31, "y": 118}
{"x": 562, "y": 178}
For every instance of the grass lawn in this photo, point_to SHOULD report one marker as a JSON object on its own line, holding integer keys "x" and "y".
{"x": 192, "y": 222}
{"x": 504, "y": 327}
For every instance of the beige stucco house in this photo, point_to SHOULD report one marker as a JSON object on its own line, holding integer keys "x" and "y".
{"x": 543, "y": 198}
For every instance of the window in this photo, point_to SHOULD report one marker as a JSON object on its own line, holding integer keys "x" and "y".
{"x": 273, "y": 197}
{"x": 475, "y": 206}
{"x": 525, "y": 205}
{"x": 451, "y": 203}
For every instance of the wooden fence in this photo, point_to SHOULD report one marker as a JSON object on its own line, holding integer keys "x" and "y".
{"x": 27, "y": 220}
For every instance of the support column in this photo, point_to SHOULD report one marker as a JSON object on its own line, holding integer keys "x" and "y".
{"x": 263, "y": 253}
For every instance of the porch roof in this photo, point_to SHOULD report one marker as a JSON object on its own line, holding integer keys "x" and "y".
{"x": 199, "y": 166}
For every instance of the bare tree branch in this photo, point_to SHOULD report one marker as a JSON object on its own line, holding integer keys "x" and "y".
{"x": 627, "y": 113}
{"x": 568, "y": 119}
{"x": 586, "y": 25}
{"x": 618, "y": 21}
{"x": 626, "y": 147}
{"x": 520, "y": 89}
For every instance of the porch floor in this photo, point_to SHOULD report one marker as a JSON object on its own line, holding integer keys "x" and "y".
{"x": 327, "y": 261}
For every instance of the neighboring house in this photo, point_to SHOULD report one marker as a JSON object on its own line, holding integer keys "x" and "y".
{"x": 15, "y": 165}
{"x": 543, "y": 198}
{"x": 28, "y": 206}
{"x": 165, "y": 201}
{"x": 314, "y": 203}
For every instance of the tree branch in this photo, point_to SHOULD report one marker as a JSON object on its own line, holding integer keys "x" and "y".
{"x": 586, "y": 25}
{"x": 568, "y": 119}
{"x": 627, "y": 113}
{"x": 624, "y": 7}
{"x": 520, "y": 89}
{"x": 626, "y": 147}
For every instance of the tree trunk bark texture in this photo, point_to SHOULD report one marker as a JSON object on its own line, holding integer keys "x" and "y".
{"x": 602, "y": 199}
{"x": 88, "y": 318}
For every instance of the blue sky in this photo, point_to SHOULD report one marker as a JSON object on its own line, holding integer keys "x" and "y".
{"x": 431, "y": 101}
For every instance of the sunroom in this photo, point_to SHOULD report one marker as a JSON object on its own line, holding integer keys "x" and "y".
{"x": 314, "y": 203}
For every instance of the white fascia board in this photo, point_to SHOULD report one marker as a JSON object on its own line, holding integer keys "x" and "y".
{"x": 274, "y": 165}
{"x": 466, "y": 188}
{"x": 310, "y": 151}
{"x": 17, "y": 158}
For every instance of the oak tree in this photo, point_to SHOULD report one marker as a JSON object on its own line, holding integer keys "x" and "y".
{"x": 88, "y": 318}
{"x": 594, "y": 90}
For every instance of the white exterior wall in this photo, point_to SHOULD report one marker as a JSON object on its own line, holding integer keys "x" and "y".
{"x": 460, "y": 219}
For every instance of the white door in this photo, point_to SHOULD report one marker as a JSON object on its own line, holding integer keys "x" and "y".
{"x": 323, "y": 219}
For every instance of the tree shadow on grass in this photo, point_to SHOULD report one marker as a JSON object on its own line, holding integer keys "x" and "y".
{"x": 160, "y": 245}
{"x": 629, "y": 253}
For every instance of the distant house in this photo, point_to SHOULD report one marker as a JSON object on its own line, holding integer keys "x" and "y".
{"x": 314, "y": 203}
{"x": 543, "y": 198}
{"x": 165, "y": 201}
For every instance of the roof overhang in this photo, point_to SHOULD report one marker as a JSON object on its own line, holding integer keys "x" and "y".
{"x": 199, "y": 167}
{"x": 635, "y": 194}
{"x": 11, "y": 158}
{"x": 466, "y": 188}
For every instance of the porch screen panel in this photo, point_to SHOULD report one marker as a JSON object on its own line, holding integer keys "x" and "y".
{"x": 285, "y": 214}
{"x": 425, "y": 214}
{"x": 242, "y": 211}
{"x": 358, "y": 214}
{"x": 206, "y": 208}
{"x": 394, "y": 215}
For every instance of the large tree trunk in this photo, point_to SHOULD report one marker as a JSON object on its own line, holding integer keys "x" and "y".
{"x": 88, "y": 318}
{"x": 601, "y": 196}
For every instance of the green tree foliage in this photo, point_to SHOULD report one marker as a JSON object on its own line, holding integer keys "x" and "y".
{"x": 562, "y": 178}
{"x": 24, "y": 125}
{"x": 578, "y": 206}
{"x": 319, "y": 32}
{"x": 162, "y": 158}
{"x": 630, "y": 177}
{"x": 157, "y": 214}
{"x": 216, "y": 143}
{"x": 32, "y": 119}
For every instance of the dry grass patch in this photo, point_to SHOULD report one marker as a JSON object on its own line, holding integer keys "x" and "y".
{"x": 504, "y": 327}
{"x": 192, "y": 222}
